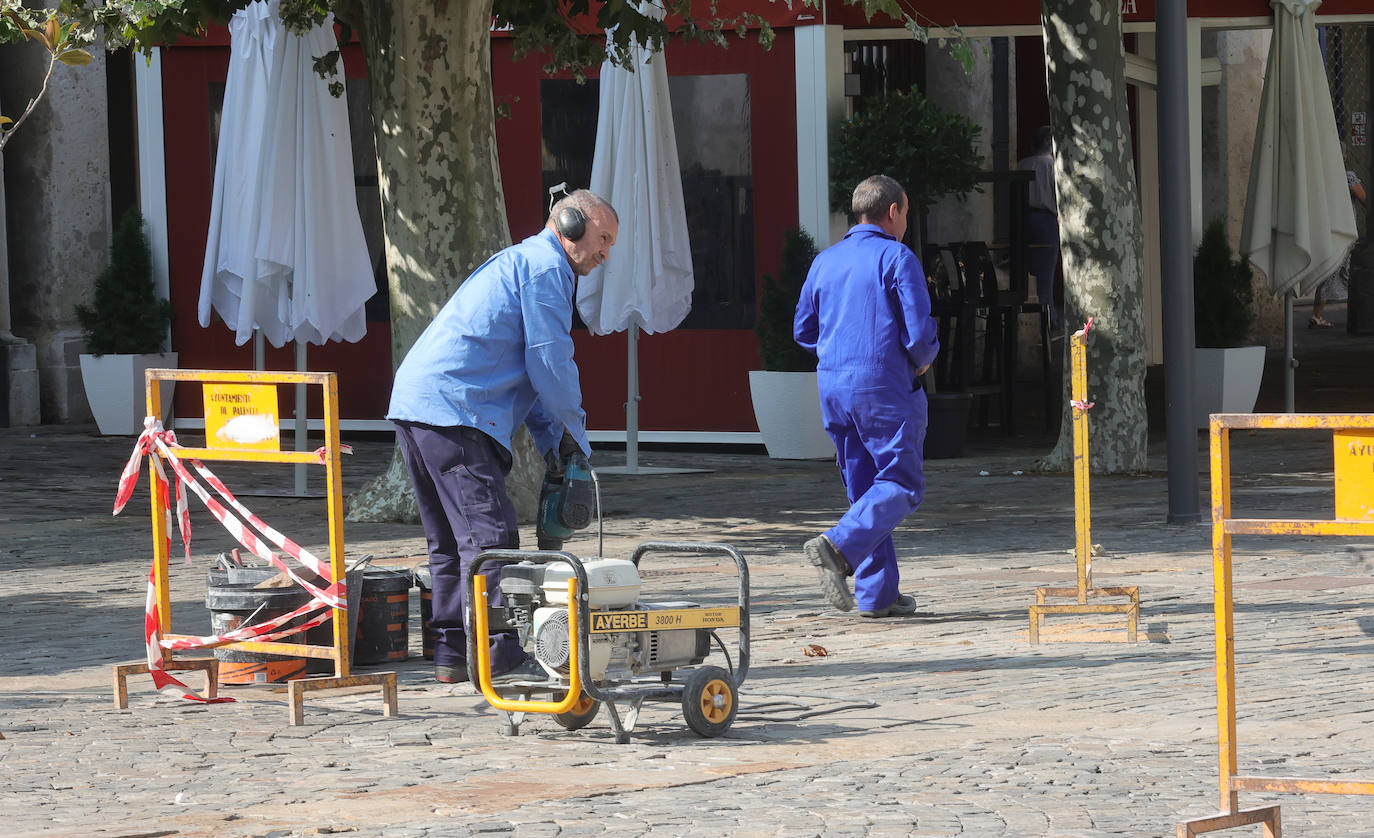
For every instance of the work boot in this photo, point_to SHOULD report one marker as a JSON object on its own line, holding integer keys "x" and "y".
{"x": 902, "y": 606}
{"x": 451, "y": 673}
{"x": 833, "y": 571}
{"x": 528, "y": 671}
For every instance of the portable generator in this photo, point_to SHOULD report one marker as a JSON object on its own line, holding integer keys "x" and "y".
{"x": 599, "y": 643}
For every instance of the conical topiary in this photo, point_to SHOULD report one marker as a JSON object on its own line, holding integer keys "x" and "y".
{"x": 778, "y": 306}
{"x": 1223, "y": 292}
{"x": 126, "y": 317}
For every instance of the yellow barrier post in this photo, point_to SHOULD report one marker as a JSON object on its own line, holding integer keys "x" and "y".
{"x": 338, "y": 650}
{"x": 1353, "y": 440}
{"x": 1083, "y": 548}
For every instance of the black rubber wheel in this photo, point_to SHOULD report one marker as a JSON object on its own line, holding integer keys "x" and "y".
{"x": 709, "y": 701}
{"x": 580, "y": 715}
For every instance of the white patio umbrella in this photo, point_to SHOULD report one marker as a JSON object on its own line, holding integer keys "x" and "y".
{"x": 646, "y": 283}
{"x": 1298, "y": 219}
{"x": 285, "y": 257}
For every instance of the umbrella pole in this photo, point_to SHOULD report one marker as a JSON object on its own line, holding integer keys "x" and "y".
{"x": 302, "y": 437}
{"x": 1289, "y": 363}
{"x": 632, "y": 403}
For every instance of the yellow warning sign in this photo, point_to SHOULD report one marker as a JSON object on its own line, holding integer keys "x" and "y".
{"x": 241, "y": 416}
{"x": 1354, "y": 475}
{"x": 606, "y": 622}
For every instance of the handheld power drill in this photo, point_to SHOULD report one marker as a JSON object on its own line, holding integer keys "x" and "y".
{"x": 566, "y": 500}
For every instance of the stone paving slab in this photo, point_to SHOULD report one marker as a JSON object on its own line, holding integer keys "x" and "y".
{"x": 944, "y": 724}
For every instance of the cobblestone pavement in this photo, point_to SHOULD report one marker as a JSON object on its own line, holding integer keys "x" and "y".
{"x": 948, "y": 723}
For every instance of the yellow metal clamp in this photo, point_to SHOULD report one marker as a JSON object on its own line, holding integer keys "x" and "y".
{"x": 483, "y": 643}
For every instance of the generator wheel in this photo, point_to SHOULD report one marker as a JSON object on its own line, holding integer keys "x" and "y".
{"x": 709, "y": 701}
{"x": 580, "y": 715}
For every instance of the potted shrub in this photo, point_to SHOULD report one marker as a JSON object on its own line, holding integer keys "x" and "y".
{"x": 930, "y": 151}
{"x": 786, "y": 404}
{"x": 1226, "y": 372}
{"x": 933, "y": 153}
{"x": 125, "y": 329}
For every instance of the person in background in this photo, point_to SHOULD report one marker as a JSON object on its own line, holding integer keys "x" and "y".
{"x": 1042, "y": 222}
{"x": 499, "y": 354}
{"x": 864, "y": 312}
{"x": 1342, "y": 275}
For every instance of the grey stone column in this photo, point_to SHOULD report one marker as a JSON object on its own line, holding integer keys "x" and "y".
{"x": 56, "y": 187}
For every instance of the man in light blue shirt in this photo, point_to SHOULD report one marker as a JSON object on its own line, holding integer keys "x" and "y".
{"x": 865, "y": 313}
{"x": 499, "y": 354}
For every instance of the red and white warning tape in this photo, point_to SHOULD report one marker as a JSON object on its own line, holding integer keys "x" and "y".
{"x": 1080, "y": 404}
{"x": 158, "y": 444}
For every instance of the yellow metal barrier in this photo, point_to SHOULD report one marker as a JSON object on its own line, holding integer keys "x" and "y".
{"x": 338, "y": 651}
{"x": 1353, "y": 436}
{"x": 1083, "y": 545}
{"x": 483, "y": 642}
{"x": 1354, "y": 441}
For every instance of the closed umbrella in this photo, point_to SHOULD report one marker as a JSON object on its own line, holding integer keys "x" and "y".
{"x": 1298, "y": 219}
{"x": 285, "y": 257}
{"x": 646, "y": 283}
{"x": 310, "y": 233}
{"x": 230, "y": 285}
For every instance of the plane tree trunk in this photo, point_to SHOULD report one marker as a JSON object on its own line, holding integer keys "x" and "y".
{"x": 429, "y": 74}
{"x": 1100, "y": 228}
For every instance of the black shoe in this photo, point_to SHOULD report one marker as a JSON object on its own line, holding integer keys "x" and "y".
{"x": 833, "y": 570}
{"x": 902, "y": 606}
{"x": 451, "y": 674}
{"x": 528, "y": 671}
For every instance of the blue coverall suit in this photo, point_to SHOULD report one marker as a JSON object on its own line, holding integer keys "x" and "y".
{"x": 865, "y": 313}
{"x": 499, "y": 354}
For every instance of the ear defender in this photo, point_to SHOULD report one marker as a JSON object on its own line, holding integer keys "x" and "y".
{"x": 571, "y": 223}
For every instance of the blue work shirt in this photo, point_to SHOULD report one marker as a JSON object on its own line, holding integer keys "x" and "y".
{"x": 500, "y": 352}
{"x": 865, "y": 310}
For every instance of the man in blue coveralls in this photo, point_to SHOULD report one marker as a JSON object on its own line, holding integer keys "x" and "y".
{"x": 865, "y": 313}
{"x": 499, "y": 354}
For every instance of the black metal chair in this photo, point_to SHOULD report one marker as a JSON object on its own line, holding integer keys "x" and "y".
{"x": 998, "y": 302}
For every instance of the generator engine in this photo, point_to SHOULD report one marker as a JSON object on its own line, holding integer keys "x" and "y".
{"x": 536, "y": 604}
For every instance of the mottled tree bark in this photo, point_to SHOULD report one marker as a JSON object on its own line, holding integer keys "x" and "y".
{"x": 1100, "y": 227}
{"x": 429, "y": 72}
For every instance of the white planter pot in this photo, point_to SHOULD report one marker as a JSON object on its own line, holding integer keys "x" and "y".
{"x": 788, "y": 411}
{"x": 1226, "y": 381}
{"x": 117, "y": 392}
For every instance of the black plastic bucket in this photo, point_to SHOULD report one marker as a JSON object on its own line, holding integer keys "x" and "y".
{"x": 426, "y": 586}
{"x": 234, "y": 601}
{"x": 323, "y": 634}
{"x": 383, "y": 617}
{"x": 948, "y": 426}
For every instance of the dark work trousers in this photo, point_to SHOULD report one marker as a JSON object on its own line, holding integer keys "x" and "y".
{"x": 459, "y": 476}
{"x": 1042, "y": 229}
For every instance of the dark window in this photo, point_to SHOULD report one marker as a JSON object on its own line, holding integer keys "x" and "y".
{"x": 877, "y": 68}
{"x": 712, "y": 126}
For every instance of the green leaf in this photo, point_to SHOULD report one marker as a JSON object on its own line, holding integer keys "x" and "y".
{"x": 35, "y": 35}
{"x": 75, "y": 58}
